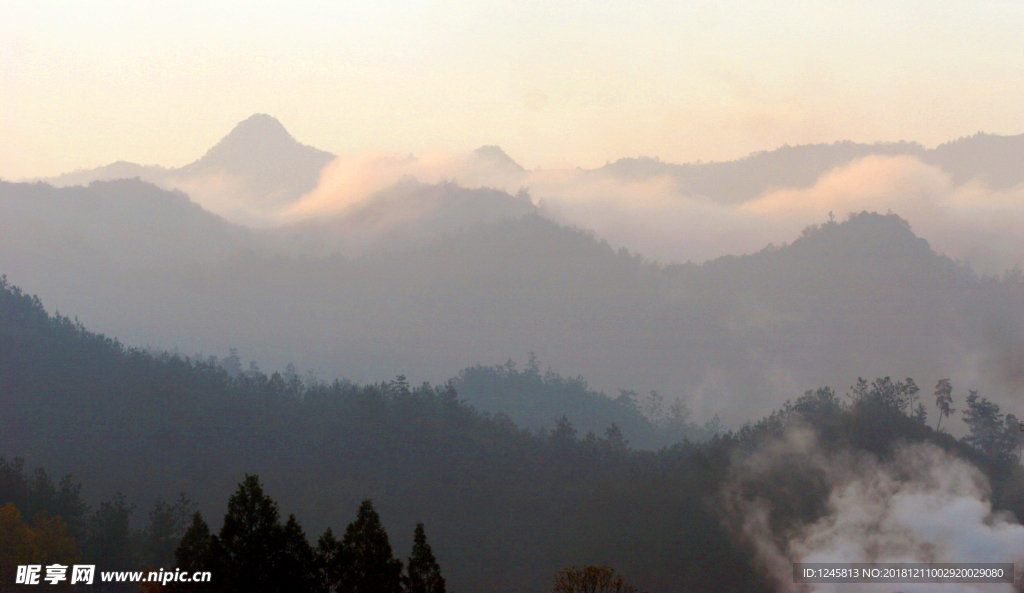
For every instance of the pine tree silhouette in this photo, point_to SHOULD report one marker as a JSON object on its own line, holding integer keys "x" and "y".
{"x": 372, "y": 568}
{"x": 424, "y": 573}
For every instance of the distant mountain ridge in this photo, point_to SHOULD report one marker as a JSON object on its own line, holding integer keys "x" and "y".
{"x": 115, "y": 170}
{"x": 265, "y": 169}
{"x": 270, "y": 167}
{"x": 992, "y": 159}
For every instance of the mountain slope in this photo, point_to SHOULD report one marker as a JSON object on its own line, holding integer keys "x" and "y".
{"x": 128, "y": 221}
{"x": 497, "y": 157}
{"x": 116, "y": 170}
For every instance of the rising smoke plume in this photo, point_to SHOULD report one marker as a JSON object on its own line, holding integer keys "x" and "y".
{"x": 923, "y": 505}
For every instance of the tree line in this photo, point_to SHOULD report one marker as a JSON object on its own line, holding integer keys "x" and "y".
{"x": 254, "y": 550}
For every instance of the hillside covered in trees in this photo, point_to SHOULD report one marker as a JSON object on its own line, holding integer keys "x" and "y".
{"x": 506, "y": 508}
{"x": 859, "y": 296}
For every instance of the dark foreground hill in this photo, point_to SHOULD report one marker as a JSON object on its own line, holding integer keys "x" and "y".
{"x": 505, "y": 508}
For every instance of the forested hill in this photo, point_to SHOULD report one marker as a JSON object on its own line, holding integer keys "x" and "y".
{"x": 52, "y": 233}
{"x": 734, "y": 336}
{"x": 128, "y": 222}
{"x": 506, "y": 508}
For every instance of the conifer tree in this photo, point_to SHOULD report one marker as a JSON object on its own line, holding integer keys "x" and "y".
{"x": 424, "y": 573}
{"x": 108, "y": 542}
{"x": 251, "y": 539}
{"x": 989, "y": 431}
{"x": 921, "y": 414}
{"x": 590, "y": 579}
{"x": 195, "y": 553}
{"x": 331, "y": 563}
{"x": 167, "y": 525}
{"x": 371, "y": 566}
{"x": 944, "y": 400}
{"x": 297, "y": 561}
{"x": 194, "y": 547}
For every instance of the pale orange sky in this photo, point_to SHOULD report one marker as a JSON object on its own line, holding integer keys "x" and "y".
{"x": 84, "y": 84}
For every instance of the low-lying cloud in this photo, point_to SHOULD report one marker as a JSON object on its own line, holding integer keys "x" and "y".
{"x": 968, "y": 222}
{"x": 349, "y": 181}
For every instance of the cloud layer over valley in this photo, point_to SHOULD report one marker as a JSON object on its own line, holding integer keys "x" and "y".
{"x": 969, "y": 221}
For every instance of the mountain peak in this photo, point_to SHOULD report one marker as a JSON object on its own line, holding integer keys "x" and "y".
{"x": 260, "y": 126}
{"x": 253, "y": 141}
{"x": 494, "y": 154}
{"x": 275, "y": 167}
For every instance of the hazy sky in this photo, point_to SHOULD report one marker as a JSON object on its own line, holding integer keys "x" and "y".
{"x": 554, "y": 83}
